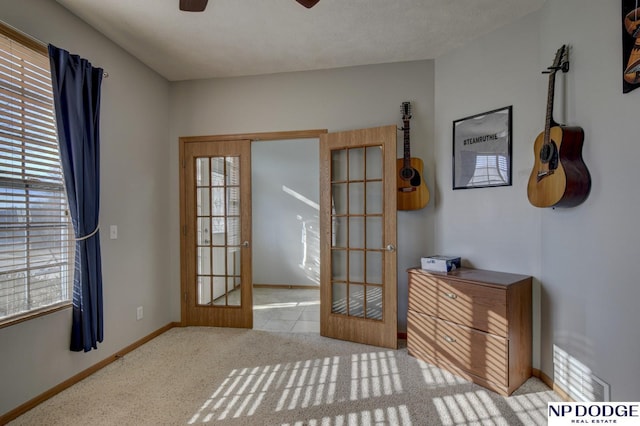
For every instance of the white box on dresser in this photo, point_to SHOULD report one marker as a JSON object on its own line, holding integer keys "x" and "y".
{"x": 473, "y": 323}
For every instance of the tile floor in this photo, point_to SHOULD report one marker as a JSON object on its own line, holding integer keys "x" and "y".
{"x": 296, "y": 310}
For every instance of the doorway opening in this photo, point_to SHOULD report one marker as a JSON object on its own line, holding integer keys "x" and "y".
{"x": 286, "y": 238}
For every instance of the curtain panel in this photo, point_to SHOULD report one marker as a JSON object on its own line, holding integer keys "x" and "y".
{"x": 76, "y": 93}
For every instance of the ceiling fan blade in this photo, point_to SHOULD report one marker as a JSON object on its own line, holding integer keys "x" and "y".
{"x": 308, "y": 3}
{"x": 193, "y": 5}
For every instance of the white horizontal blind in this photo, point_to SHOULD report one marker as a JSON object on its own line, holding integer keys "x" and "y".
{"x": 36, "y": 248}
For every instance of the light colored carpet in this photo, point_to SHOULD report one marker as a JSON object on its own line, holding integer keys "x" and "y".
{"x": 197, "y": 375}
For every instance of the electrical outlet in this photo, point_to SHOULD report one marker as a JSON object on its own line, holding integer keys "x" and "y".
{"x": 139, "y": 313}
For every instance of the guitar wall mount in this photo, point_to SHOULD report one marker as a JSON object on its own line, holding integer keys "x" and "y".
{"x": 564, "y": 68}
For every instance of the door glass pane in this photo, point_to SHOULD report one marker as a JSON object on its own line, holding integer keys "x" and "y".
{"x": 233, "y": 261}
{"x": 374, "y": 302}
{"x": 374, "y": 267}
{"x": 356, "y": 300}
{"x": 356, "y": 198}
{"x": 204, "y": 231}
{"x": 233, "y": 291}
{"x": 219, "y": 291}
{"x": 374, "y": 197}
{"x": 339, "y": 198}
{"x": 339, "y": 232}
{"x": 357, "y": 229}
{"x": 204, "y": 291}
{"x": 217, "y": 207}
{"x": 339, "y": 165}
{"x": 339, "y": 298}
{"x": 204, "y": 260}
{"x": 374, "y": 232}
{"x": 202, "y": 172}
{"x": 356, "y": 232}
{"x": 233, "y": 201}
{"x": 339, "y": 265}
{"x": 233, "y": 171}
{"x": 356, "y": 266}
{"x": 356, "y": 164}
{"x": 233, "y": 231}
{"x": 203, "y": 205}
{"x": 374, "y": 162}
{"x": 219, "y": 259}
{"x": 217, "y": 171}
{"x": 218, "y": 231}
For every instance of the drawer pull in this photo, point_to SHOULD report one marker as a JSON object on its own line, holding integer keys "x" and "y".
{"x": 452, "y": 295}
{"x": 449, "y": 339}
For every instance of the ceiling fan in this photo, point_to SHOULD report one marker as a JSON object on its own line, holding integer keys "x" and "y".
{"x": 200, "y": 5}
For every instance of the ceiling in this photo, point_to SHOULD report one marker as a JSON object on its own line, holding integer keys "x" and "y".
{"x": 250, "y": 37}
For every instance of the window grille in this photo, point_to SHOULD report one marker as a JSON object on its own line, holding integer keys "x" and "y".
{"x": 36, "y": 244}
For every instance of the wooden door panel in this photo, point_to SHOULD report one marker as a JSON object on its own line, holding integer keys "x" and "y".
{"x": 215, "y": 243}
{"x": 358, "y": 289}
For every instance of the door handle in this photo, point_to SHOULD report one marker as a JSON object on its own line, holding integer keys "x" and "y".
{"x": 245, "y": 244}
{"x": 390, "y": 248}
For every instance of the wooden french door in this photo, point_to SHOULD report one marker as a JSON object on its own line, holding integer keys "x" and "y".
{"x": 216, "y": 240}
{"x": 358, "y": 278}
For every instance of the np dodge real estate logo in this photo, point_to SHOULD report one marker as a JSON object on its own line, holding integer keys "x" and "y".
{"x": 573, "y": 413}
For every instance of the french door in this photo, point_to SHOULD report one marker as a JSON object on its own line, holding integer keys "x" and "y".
{"x": 215, "y": 245}
{"x": 358, "y": 278}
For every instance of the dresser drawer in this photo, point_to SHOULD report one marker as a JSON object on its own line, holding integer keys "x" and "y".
{"x": 443, "y": 343}
{"x": 473, "y": 305}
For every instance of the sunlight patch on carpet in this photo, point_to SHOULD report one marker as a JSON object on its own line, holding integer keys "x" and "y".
{"x": 469, "y": 407}
{"x": 310, "y": 383}
{"x": 397, "y": 416}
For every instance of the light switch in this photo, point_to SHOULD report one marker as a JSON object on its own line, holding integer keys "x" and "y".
{"x": 113, "y": 232}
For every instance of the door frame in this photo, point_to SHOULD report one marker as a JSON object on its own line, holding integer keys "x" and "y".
{"x": 183, "y": 141}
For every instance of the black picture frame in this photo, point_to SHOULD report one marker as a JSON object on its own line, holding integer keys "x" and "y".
{"x": 630, "y": 44}
{"x": 482, "y": 149}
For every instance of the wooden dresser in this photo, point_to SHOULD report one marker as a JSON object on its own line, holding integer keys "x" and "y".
{"x": 473, "y": 323}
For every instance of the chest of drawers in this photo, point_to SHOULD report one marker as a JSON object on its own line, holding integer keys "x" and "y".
{"x": 473, "y": 323}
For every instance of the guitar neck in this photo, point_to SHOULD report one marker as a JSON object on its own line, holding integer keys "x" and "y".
{"x": 549, "y": 119}
{"x": 407, "y": 145}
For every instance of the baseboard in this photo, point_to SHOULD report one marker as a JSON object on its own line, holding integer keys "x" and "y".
{"x": 549, "y": 382}
{"x": 18, "y": 411}
{"x": 288, "y": 286}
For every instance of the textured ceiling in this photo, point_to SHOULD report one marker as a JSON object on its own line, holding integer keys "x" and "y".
{"x": 249, "y": 37}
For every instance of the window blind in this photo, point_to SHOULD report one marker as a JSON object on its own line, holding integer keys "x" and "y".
{"x": 36, "y": 244}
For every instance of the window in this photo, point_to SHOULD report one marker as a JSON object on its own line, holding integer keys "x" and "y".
{"x": 36, "y": 245}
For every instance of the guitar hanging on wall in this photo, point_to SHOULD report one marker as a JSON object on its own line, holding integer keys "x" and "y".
{"x": 412, "y": 189}
{"x": 559, "y": 177}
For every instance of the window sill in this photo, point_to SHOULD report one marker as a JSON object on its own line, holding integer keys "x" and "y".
{"x": 16, "y": 319}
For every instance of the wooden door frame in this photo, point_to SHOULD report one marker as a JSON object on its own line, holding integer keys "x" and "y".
{"x": 183, "y": 141}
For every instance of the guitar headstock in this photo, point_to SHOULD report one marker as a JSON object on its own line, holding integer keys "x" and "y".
{"x": 405, "y": 109}
{"x": 560, "y": 62}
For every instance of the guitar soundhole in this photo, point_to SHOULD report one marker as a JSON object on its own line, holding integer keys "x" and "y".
{"x": 406, "y": 173}
{"x": 549, "y": 154}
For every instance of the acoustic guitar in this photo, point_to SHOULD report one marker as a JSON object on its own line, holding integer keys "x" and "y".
{"x": 559, "y": 177}
{"x": 412, "y": 189}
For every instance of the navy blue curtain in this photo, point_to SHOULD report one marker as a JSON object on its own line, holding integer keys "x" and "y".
{"x": 76, "y": 94}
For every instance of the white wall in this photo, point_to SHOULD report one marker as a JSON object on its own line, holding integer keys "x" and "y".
{"x": 34, "y": 355}
{"x": 582, "y": 257}
{"x": 339, "y": 99}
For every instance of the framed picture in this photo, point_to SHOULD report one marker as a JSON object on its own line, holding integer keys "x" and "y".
{"x": 482, "y": 150}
